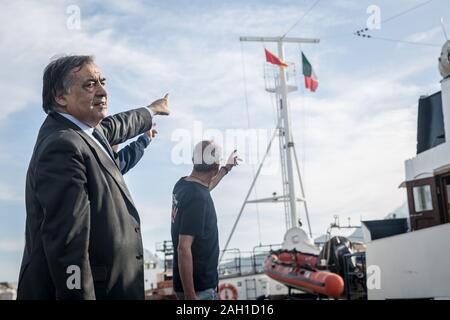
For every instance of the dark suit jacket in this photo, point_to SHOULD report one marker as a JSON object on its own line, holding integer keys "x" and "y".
{"x": 80, "y": 213}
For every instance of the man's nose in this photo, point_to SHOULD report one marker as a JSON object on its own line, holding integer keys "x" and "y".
{"x": 101, "y": 91}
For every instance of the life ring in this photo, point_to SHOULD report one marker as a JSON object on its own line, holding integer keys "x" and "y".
{"x": 226, "y": 288}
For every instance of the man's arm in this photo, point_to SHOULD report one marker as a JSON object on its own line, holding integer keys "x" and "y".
{"x": 216, "y": 179}
{"x": 231, "y": 163}
{"x": 126, "y": 125}
{"x": 61, "y": 189}
{"x": 185, "y": 266}
{"x": 131, "y": 154}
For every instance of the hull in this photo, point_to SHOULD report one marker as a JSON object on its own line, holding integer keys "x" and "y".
{"x": 299, "y": 271}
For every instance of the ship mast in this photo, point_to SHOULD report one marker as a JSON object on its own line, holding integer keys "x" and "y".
{"x": 288, "y": 154}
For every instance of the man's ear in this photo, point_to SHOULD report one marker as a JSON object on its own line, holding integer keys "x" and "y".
{"x": 61, "y": 100}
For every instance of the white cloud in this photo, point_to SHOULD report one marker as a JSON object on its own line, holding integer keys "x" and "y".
{"x": 12, "y": 245}
{"x": 425, "y": 36}
{"x": 142, "y": 69}
{"x": 8, "y": 194}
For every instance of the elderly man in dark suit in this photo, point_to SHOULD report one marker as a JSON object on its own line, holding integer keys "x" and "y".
{"x": 83, "y": 238}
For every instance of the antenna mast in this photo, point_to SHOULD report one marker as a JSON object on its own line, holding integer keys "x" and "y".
{"x": 287, "y": 147}
{"x": 285, "y": 125}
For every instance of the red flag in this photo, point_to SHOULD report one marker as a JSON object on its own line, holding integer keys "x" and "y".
{"x": 274, "y": 59}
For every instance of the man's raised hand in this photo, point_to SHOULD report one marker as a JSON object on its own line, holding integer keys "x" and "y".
{"x": 232, "y": 160}
{"x": 160, "y": 107}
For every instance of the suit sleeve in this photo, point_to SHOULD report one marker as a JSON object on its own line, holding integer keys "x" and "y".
{"x": 126, "y": 125}
{"x": 61, "y": 187}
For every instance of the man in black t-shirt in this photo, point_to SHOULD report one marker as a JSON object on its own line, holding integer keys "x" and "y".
{"x": 194, "y": 225}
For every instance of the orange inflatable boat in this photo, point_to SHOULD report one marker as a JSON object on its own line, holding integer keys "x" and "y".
{"x": 299, "y": 270}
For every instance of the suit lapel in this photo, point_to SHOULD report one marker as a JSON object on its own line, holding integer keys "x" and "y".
{"x": 106, "y": 163}
{"x": 102, "y": 158}
{"x": 112, "y": 154}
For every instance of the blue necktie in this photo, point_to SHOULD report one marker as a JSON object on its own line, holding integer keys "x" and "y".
{"x": 100, "y": 138}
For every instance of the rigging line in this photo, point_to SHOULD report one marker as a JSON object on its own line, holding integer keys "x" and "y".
{"x": 335, "y": 36}
{"x": 246, "y": 197}
{"x": 273, "y": 101}
{"x": 304, "y": 131}
{"x": 274, "y": 107}
{"x": 301, "y": 18}
{"x": 303, "y": 111}
{"x": 272, "y": 98}
{"x": 404, "y": 42}
{"x": 244, "y": 74}
{"x": 406, "y": 11}
{"x": 385, "y": 20}
{"x": 443, "y": 29}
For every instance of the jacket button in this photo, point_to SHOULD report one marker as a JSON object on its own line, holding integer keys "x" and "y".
{"x": 139, "y": 257}
{"x": 137, "y": 229}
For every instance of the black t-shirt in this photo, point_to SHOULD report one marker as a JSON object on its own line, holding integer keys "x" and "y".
{"x": 193, "y": 213}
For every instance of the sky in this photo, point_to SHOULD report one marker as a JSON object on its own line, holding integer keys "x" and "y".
{"x": 352, "y": 136}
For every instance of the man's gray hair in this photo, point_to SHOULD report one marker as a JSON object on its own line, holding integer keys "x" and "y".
{"x": 58, "y": 78}
{"x": 206, "y": 156}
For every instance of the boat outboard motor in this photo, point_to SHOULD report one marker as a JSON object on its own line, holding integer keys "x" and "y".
{"x": 334, "y": 252}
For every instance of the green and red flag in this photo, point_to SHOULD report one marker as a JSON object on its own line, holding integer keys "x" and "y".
{"x": 271, "y": 58}
{"x": 311, "y": 81}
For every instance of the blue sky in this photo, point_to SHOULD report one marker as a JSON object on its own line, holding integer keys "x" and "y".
{"x": 353, "y": 135}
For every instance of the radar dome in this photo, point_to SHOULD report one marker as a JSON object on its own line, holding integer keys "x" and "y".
{"x": 444, "y": 60}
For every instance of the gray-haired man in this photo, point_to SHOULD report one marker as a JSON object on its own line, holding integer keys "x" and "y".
{"x": 83, "y": 238}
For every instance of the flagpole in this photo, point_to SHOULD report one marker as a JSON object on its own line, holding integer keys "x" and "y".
{"x": 285, "y": 130}
{"x": 289, "y": 143}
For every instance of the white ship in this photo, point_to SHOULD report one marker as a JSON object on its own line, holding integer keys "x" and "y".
{"x": 414, "y": 265}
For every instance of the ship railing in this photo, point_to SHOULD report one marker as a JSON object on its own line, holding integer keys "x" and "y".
{"x": 242, "y": 263}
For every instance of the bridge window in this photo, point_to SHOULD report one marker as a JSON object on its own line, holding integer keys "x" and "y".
{"x": 422, "y": 198}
